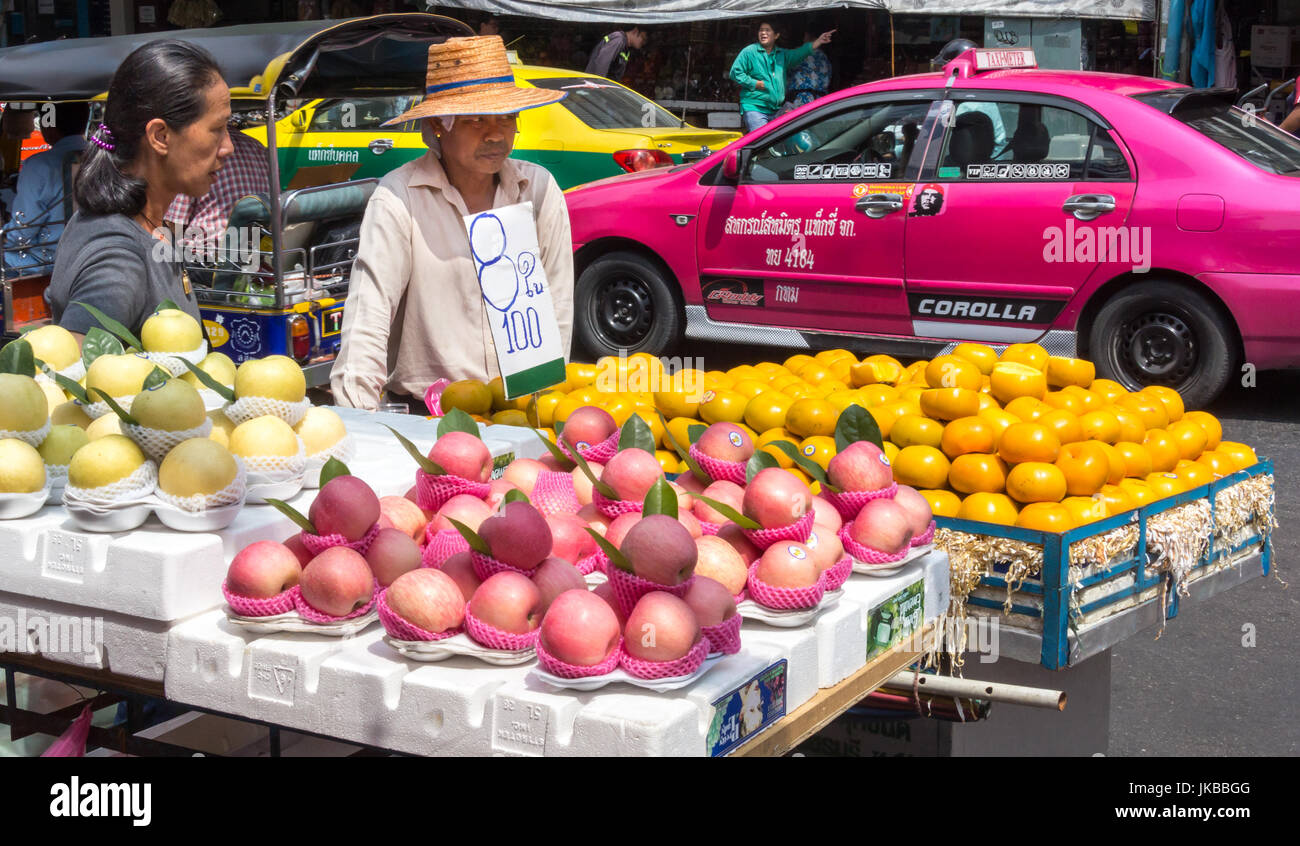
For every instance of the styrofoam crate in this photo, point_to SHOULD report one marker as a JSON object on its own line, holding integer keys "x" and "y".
{"x": 798, "y": 646}
{"x": 841, "y": 638}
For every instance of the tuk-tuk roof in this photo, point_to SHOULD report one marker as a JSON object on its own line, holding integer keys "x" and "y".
{"x": 353, "y": 57}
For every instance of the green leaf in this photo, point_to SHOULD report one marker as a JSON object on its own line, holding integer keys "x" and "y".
{"x": 661, "y": 499}
{"x": 17, "y": 358}
{"x": 812, "y": 468}
{"x": 427, "y": 464}
{"x": 604, "y": 488}
{"x": 555, "y": 451}
{"x": 694, "y": 466}
{"x": 471, "y": 537}
{"x": 156, "y": 378}
{"x": 210, "y": 382}
{"x": 128, "y": 337}
{"x": 166, "y": 304}
{"x": 99, "y": 342}
{"x": 293, "y": 514}
{"x": 617, "y": 558}
{"x": 515, "y": 495}
{"x": 112, "y": 403}
{"x": 558, "y": 426}
{"x": 727, "y": 511}
{"x": 694, "y": 432}
{"x": 856, "y": 424}
{"x": 635, "y": 434}
{"x": 759, "y": 461}
{"x": 457, "y": 421}
{"x": 74, "y": 388}
{"x": 332, "y": 469}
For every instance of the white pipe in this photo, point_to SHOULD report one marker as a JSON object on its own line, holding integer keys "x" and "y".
{"x": 1035, "y": 697}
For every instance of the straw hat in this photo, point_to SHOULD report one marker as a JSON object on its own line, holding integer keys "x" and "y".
{"x": 471, "y": 76}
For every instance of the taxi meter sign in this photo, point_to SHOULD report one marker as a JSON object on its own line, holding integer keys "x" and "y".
{"x": 999, "y": 59}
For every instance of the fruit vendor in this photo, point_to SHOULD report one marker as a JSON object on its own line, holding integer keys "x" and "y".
{"x": 164, "y": 133}
{"x": 415, "y": 311}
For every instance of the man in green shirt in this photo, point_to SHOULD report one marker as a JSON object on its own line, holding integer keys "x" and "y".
{"x": 760, "y": 71}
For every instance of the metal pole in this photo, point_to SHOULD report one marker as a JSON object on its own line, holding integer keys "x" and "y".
{"x": 272, "y": 150}
{"x": 686, "y": 89}
{"x": 1012, "y": 694}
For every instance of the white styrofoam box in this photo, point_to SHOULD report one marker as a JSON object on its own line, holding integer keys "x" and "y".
{"x": 85, "y": 637}
{"x": 870, "y": 591}
{"x": 798, "y": 646}
{"x": 841, "y": 638}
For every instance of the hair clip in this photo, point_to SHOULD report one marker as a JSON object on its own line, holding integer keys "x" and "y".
{"x": 98, "y": 138}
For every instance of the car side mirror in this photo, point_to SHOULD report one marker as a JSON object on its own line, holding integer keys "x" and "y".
{"x": 731, "y": 166}
{"x": 298, "y": 120}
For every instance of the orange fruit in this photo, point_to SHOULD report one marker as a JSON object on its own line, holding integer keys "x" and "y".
{"x": 717, "y": 379}
{"x": 885, "y": 368}
{"x": 767, "y": 410}
{"x": 1149, "y": 409}
{"x": 669, "y": 461}
{"x": 784, "y": 461}
{"x": 1218, "y": 463}
{"x": 1169, "y": 398}
{"x": 1045, "y": 517}
{"x": 912, "y": 394}
{"x": 915, "y": 372}
{"x": 987, "y": 401}
{"x": 469, "y": 395}
{"x": 818, "y": 448}
{"x": 1165, "y": 484}
{"x": 1032, "y": 354}
{"x": 1242, "y": 455}
{"x": 1162, "y": 449}
{"x": 1117, "y": 499}
{"x": 950, "y": 403}
{"x": 891, "y": 452}
{"x": 1027, "y": 408}
{"x": 1086, "y": 468}
{"x": 1137, "y": 461}
{"x": 1107, "y": 389}
{"x": 942, "y": 503}
{"x": 1193, "y": 474}
{"x": 829, "y": 357}
{"x": 1028, "y": 442}
{"x": 814, "y": 373}
{"x": 1131, "y": 427}
{"x": 1064, "y": 424}
{"x": 973, "y": 472}
{"x": 1099, "y": 425}
{"x": 741, "y": 372}
{"x": 1210, "y": 424}
{"x": 1087, "y": 399}
{"x": 571, "y": 403}
{"x": 1115, "y": 459}
{"x": 808, "y": 417}
{"x": 887, "y": 413}
{"x": 874, "y": 395}
{"x": 546, "y": 404}
{"x": 842, "y": 399}
{"x": 751, "y": 387}
{"x": 796, "y": 361}
{"x": 1010, "y": 380}
{"x": 723, "y": 406}
{"x": 951, "y": 371}
{"x": 989, "y": 508}
{"x": 1189, "y": 437}
{"x": 998, "y": 419}
{"x": 1086, "y": 509}
{"x": 1063, "y": 401}
{"x": 1070, "y": 371}
{"x": 1036, "y": 481}
{"x": 913, "y": 429}
{"x": 1139, "y": 492}
{"x": 921, "y": 467}
{"x": 967, "y": 434}
{"x": 980, "y": 355}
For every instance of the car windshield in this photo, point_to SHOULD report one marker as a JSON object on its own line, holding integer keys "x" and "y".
{"x": 605, "y": 105}
{"x": 1249, "y": 136}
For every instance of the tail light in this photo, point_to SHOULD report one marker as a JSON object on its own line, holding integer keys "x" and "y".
{"x": 300, "y": 337}
{"x": 635, "y": 160}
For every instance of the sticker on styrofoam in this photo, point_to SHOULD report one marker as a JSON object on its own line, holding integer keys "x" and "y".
{"x": 748, "y": 709}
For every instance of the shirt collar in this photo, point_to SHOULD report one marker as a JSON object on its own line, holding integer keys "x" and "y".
{"x": 429, "y": 171}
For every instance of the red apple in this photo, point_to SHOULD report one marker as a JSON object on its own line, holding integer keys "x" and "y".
{"x": 580, "y": 628}
{"x": 605, "y": 591}
{"x": 553, "y": 577}
{"x": 298, "y": 548}
{"x": 464, "y": 508}
{"x": 569, "y": 537}
{"x": 861, "y": 466}
{"x": 462, "y": 454}
{"x": 517, "y": 535}
{"x": 917, "y": 508}
{"x": 593, "y": 518}
{"x": 660, "y": 550}
{"x": 346, "y": 506}
{"x": 826, "y": 514}
{"x": 661, "y": 627}
{"x": 692, "y": 525}
{"x": 728, "y": 493}
{"x": 509, "y": 602}
{"x": 263, "y": 569}
{"x": 398, "y": 512}
{"x": 587, "y": 426}
{"x": 631, "y": 473}
{"x": 620, "y": 526}
{"x": 522, "y": 473}
{"x": 461, "y": 569}
{"x": 719, "y": 561}
{"x": 711, "y": 601}
{"x": 882, "y": 525}
{"x": 428, "y": 598}
{"x": 338, "y": 581}
{"x": 497, "y": 490}
{"x": 392, "y": 553}
{"x": 735, "y": 537}
{"x": 726, "y": 442}
{"x": 827, "y": 549}
{"x": 776, "y": 498}
{"x": 789, "y": 565}
{"x": 583, "y": 486}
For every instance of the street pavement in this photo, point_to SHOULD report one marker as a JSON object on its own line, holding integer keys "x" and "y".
{"x": 1198, "y": 691}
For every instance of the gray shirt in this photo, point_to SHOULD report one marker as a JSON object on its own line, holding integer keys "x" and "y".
{"x": 110, "y": 262}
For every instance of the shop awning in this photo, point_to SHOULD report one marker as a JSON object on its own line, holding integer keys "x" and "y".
{"x": 678, "y": 11}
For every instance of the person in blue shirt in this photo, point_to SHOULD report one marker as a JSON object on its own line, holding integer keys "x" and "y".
{"x": 811, "y": 78}
{"x": 39, "y": 198}
{"x": 760, "y": 71}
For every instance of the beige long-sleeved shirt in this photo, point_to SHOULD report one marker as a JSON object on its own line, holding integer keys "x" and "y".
{"x": 414, "y": 311}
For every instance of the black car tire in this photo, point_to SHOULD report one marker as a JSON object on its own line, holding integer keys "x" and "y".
{"x": 624, "y": 302}
{"x": 1164, "y": 333}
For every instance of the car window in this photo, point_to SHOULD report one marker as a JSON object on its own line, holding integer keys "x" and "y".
{"x": 604, "y": 105}
{"x": 365, "y": 114}
{"x": 1003, "y": 141}
{"x": 872, "y": 141}
{"x": 1249, "y": 136}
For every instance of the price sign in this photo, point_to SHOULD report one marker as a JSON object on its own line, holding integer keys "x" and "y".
{"x": 514, "y": 286}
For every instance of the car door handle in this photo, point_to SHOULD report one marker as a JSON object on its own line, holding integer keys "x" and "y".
{"x": 1089, "y": 206}
{"x": 380, "y": 145}
{"x": 879, "y": 205}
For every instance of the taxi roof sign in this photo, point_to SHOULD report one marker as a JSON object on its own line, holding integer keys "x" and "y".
{"x": 999, "y": 59}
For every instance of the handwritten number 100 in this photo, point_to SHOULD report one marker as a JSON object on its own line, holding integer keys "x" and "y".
{"x": 523, "y": 329}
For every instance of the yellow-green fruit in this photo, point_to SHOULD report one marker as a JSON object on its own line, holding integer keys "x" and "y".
{"x": 276, "y": 376}
{"x": 104, "y": 461}
{"x": 171, "y": 330}
{"x": 54, "y": 345}
{"x": 217, "y": 365}
{"x": 320, "y": 429}
{"x": 173, "y": 406}
{"x": 69, "y": 413}
{"x": 117, "y": 375}
{"x": 21, "y": 468}
{"x": 265, "y": 435}
{"x": 196, "y": 466}
{"x": 23, "y": 406}
{"x": 222, "y": 426}
{"x": 62, "y": 443}
{"x": 54, "y": 396}
{"x": 109, "y": 424}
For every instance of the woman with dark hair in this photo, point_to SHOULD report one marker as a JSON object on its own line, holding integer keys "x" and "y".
{"x": 164, "y": 133}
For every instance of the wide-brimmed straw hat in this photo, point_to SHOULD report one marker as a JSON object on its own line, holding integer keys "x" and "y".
{"x": 472, "y": 76}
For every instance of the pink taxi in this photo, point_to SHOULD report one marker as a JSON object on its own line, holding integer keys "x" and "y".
{"x": 1151, "y": 227}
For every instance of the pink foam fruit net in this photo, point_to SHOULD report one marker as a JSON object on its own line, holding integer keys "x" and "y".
{"x": 433, "y": 396}
{"x": 834, "y": 576}
{"x": 783, "y": 598}
{"x": 432, "y": 492}
{"x": 316, "y": 544}
{"x": 849, "y": 503}
{"x": 718, "y": 470}
{"x": 442, "y": 545}
{"x": 553, "y": 493}
{"x": 614, "y": 507}
{"x": 565, "y": 670}
{"x": 926, "y": 536}
{"x": 490, "y": 636}
{"x": 651, "y": 670}
{"x": 248, "y": 606}
{"x": 629, "y": 588}
{"x": 866, "y": 554}
{"x": 401, "y": 629}
{"x": 599, "y": 453}
{"x": 797, "y": 531}
{"x": 485, "y": 566}
{"x": 312, "y": 615}
{"x": 725, "y": 636}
